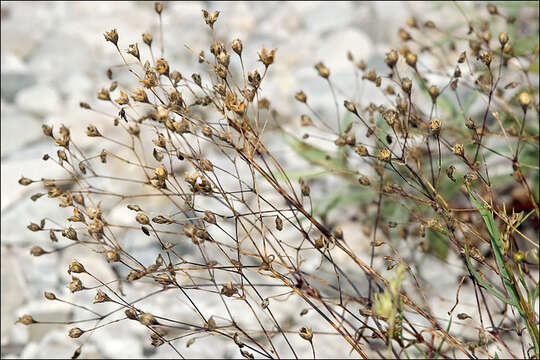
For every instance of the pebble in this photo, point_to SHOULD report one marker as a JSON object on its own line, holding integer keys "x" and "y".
{"x": 40, "y": 99}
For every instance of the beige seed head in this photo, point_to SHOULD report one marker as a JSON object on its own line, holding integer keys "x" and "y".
{"x": 524, "y": 99}
{"x": 26, "y": 320}
{"x": 75, "y": 332}
{"x": 306, "y": 333}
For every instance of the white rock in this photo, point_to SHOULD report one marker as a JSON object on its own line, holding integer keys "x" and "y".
{"x": 39, "y": 99}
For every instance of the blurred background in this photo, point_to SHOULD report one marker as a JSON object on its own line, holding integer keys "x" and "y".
{"x": 53, "y": 55}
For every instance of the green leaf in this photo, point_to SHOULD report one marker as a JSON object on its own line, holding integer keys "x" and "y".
{"x": 315, "y": 155}
{"x": 438, "y": 245}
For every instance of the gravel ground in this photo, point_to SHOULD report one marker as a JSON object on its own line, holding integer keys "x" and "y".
{"x": 53, "y": 55}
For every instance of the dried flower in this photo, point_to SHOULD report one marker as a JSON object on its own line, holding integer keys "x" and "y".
{"x": 385, "y": 155}
{"x": 458, "y": 149}
{"x": 435, "y": 127}
{"x": 147, "y": 39}
{"x": 147, "y": 319}
{"x": 267, "y": 57}
{"x": 133, "y": 49}
{"x": 237, "y": 46}
{"x": 37, "y": 251}
{"x": 112, "y": 36}
{"x": 75, "y": 332}
{"x": 301, "y": 96}
{"x": 503, "y": 38}
{"x": 524, "y": 100}
{"x": 76, "y": 267}
{"x": 210, "y": 19}
{"x": 306, "y": 333}
{"x": 322, "y": 69}
{"x": 391, "y": 58}
{"x": 26, "y": 320}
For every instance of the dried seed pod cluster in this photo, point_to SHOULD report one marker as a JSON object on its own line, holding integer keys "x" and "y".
{"x": 192, "y": 165}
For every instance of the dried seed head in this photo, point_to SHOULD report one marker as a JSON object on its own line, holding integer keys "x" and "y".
{"x": 175, "y": 76}
{"x": 304, "y": 188}
{"x": 224, "y": 58}
{"x": 101, "y": 297}
{"x": 433, "y": 92}
{"x": 47, "y": 130}
{"x": 147, "y": 319}
{"x": 305, "y": 120}
{"x": 267, "y": 57}
{"x": 349, "y": 105}
{"x": 406, "y": 85}
{"x": 113, "y": 256}
{"x": 321, "y": 242}
{"x": 301, "y": 96}
{"x": 210, "y": 19}
{"x": 450, "y": 172}
{"x": 52, "y": 236}
{"x": 411, "y": 22}
{"x": 147, "y": 39}
{"x": 26, "y": 320}
{"x": 524, "y": 100}
{"x": 75, "y": 285}
{"x": 458, "y": 149}
{"x": 279, "y": 223}
{"x": 209, "y": 217}
{"x": 411, "y": 58}
{"x": 361, "y": 150}
{"x": 70, "y": 233}
{"x": 37, "y": 251}
{"x": 75, "y": 332}
{"x": 237, "y": 46}
{"x": 104, "y": 95}
{"x": 503, "y": 38}
{"x": 435, "y": 127}
{"x": 430, "y": 24}
{"x": 76, "y": 267}
{"x": 49, "y": 295}
{"x": 470, "y": 124}
{"x": 133, "y": 49}
{"x": 364, "y": 180}
{"x": 385, "y": 155}
{"x": 486, "y": 58}
{"x": 370, "y": 75}
{"x": 391, "y": 58}
{"x": 142, "y": 219}
{"x": 92, "y": 131}
{"x": 306, "y": 333}
{"x": 33, "y": 227}
{"x": 391, "y": 117}
{"x": 323, "y": 70}
{"x": 131, "y": 313}
{"x": 404, "y": 35}
{"x": 492, "y": 9}
{"x": 162, "y": 67}
{"x": 25, "y": 181}
{"x": 112, "y": 36}
{"x": 508, "y": 49}
{"x": 228, "y": 289}
{"x": 196, "y": 79}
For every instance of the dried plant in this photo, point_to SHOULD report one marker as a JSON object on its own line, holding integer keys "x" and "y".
{"x": 187, "y": 157}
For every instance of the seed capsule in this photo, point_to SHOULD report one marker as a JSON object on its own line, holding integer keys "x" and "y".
{"x": 75, "y": 332}
{"x": 306, "y": 333}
